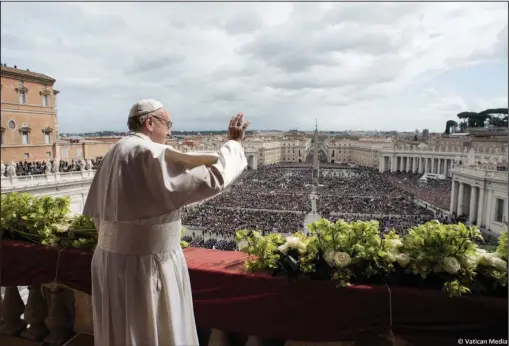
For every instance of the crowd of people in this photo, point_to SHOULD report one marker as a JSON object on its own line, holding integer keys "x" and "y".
{"x": 277, "y": 199}
{"x": 434, "y": 191}
{"x": 391, "y": 204}
{"x": 236, "y": 198}
{"x": 24, "y": 168}
{"x": 225, "y": 222}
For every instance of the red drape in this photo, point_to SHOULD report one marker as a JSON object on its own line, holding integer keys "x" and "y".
{"x": 227, "y": 298}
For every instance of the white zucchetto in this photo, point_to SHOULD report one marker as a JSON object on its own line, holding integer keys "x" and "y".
{"x": 145, "y": 106}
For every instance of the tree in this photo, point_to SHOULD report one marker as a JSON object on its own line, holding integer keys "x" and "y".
{"x": 448, "y": 125}
{"x": 472, "y": 119}
{"x": 498, "y": 118}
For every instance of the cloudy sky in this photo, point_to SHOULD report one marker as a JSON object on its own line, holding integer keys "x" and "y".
{"x": 357, "y": 66}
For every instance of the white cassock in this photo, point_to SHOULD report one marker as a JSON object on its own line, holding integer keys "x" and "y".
{"x": 141, "y": 293}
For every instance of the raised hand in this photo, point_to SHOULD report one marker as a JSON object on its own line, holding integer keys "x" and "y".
{"x": 237, "y": 129}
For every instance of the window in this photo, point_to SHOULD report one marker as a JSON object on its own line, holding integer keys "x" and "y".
{"x": 499, "y": 211}
{"x": 26, "y": 155}
{"x": 2, "y": 137}
{"x": 47, "y": 138}
{"x": 24, "y": 138}
{"x": 45, "y": 100}
{"x": 79, "y": 153}
{"x": 22, "y": 97}
{"x": 48, "y": 154}
{"x": 11, "y": 124}
{"x": 65, "y": 154}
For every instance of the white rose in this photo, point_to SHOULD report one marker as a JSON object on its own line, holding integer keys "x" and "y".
{"x": 391, "y": 256}
{"x": 451, "y": 265}
{"x": 489, "y": 259}
{"x": 403, "y": 259}
{"x": 293, "y": 242}
{"x": 328, "y": 256}
{"x": 61, "y": 228}
{"x": 494, "y": 261}
{"x": 283, "y": 248}
{"x": 481, "y": 252}
{"x": 469, "y": 261}
{"x": 499, "y": 263}
{"x": 342, "y": 259}
{"x": 395, "y": 243}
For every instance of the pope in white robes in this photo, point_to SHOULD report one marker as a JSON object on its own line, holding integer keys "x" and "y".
{"x": 141, "y": 293}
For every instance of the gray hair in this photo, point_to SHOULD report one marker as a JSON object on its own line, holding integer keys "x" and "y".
{"x": 135, "y": 124}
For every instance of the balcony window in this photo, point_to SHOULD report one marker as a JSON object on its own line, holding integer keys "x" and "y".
{"x": 22, "y": 98}
{"x": 499, "y": 211}
{"x": 26, "y": 156}
{"x": 48, "y": 154}
{"x": 47, "y": 135}
{"x": 24, "y": 134}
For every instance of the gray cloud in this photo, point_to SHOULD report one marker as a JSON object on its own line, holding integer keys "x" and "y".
{"x": 282, "y": 64}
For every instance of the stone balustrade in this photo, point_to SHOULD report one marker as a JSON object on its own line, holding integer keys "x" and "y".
{"x": 482, "y": 173}
{"x": 26, "y": 181}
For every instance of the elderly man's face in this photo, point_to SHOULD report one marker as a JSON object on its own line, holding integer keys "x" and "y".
{"x": 161, "y": 126}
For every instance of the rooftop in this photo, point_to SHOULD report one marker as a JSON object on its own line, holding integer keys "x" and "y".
{"x": 14, "y": 71}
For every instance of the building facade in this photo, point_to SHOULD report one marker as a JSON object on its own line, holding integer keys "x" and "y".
{"x": 29, "y": 124}
{"x": 481, "y": 195}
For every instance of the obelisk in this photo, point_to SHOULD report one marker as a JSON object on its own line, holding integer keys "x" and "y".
{"x": 315, "y": 156}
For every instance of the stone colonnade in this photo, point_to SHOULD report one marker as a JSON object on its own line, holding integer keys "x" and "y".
{"x": 417, "y": 164}
{"x": 469, "y": 199}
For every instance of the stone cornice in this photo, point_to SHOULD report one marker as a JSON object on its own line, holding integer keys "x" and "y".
{"x": 47, "y": 130}
{"x": 25, "y": 129}
{"x": 45, "y": 92}
{"x": 22, "y": 89}
{"x": 27, "y": 76}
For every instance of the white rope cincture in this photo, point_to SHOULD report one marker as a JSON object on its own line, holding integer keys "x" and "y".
{"x": 391, "y": 333}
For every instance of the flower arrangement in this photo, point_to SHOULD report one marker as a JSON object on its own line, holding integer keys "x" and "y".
{"x": 347, "y": 252}
{"x": 48, "y": 221}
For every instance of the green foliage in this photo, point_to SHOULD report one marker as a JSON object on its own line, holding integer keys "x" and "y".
{"x": 445, "y": 250}
{"x": 448, "y": 125}
{"x": 353, "y": 249}
{"x": 502, "y": 245}
{"x": 47, "y": 220}
{"x": 498, "y": 118}
{"x": 356, "y": 250}
{"x": 35, "y": 217}
{"x": 183, "y": 244}
{"x": 264, "y": 248}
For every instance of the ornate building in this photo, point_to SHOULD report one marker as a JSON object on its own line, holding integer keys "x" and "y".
{"x": 479, "y": 192}
{"x": 29, "y": 124}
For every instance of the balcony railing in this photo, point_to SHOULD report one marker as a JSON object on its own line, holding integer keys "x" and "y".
{"x": 236, "y": 308}
{"x": 24, "y": 181}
